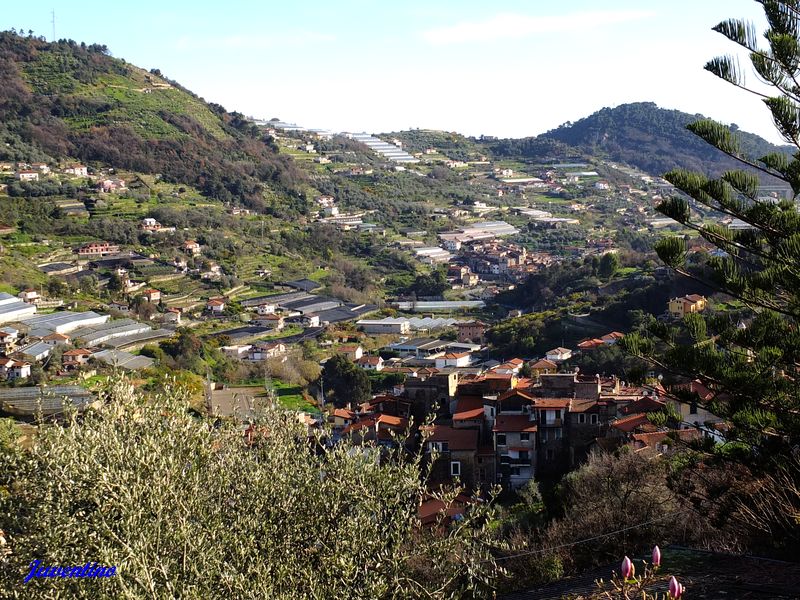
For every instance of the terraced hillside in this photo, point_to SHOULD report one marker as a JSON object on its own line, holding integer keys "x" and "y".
{"x": 67, "y": 100}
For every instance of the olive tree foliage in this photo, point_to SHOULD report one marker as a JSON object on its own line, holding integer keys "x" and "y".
{"x": 189, "y": 508}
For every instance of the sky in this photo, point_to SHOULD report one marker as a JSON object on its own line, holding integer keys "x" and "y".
{"x": 509, "y": 68}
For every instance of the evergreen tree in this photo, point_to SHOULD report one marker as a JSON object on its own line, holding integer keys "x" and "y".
{"x": 750, "y": 366}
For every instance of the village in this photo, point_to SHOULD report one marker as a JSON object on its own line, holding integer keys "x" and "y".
{"x": 497, "y": 420}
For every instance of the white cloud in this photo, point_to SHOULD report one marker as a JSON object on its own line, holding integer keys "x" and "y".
{"x": 266, "y": 41}
{"x": 514, "y": 26}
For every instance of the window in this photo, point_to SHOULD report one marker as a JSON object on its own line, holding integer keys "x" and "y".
{"x": 558, "y": 433}
{"x": 438, "y": 446}
{"x": 551, "y": 454}
{"x": 523, "y": 455}
{"x": 515, "y": 471}
{"x": 581, "y": 418}
{"x": 693, "y": 408}
{"x": 594, "y": 419}
{"x": 501, "y": 439}
{"x": 455, "y": 468}
{"x": 524, "y": 437}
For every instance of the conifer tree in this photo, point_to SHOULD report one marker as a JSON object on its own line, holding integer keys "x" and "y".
{"x": 749, "y": 361}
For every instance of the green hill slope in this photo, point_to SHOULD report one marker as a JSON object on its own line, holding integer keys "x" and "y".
{"x": 68, "y": 100}
{"x": 653, "y": 139}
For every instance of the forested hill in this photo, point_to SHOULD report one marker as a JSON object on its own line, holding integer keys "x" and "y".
{"x": 68, "y": 100}
{"x": 652, "y": 138}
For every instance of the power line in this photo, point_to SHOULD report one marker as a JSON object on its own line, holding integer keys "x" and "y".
{"x": 591, "y": 539}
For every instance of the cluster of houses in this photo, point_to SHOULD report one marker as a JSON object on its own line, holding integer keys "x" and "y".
{"x": 500, "y": 427}
{"x": 35, "y": 171}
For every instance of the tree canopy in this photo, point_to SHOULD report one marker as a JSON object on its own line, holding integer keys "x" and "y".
{"x": 184, "y": 507}
{"x": 750, "y": 366}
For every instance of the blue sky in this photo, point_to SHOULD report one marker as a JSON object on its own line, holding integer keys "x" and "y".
{"x": 506, "y": 68}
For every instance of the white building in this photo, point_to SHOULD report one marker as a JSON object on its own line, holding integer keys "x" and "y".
{"x": 558, "y": 354}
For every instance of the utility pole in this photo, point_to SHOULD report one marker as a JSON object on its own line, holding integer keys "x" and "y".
{"x": 53, "y": 13}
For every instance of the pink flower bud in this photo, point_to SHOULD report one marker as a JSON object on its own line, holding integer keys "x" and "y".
{"x": 675, "y": 589}
{"x": 627, "y": 568}
{"x": 656, "y": 556}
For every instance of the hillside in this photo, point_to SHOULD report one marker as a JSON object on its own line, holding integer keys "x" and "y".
{"x": 67, "y": 100}
{"x": 652, "y": 138}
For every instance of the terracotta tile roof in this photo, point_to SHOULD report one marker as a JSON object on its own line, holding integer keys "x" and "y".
{"x": 515, "y": 392}
{"x": 513, "y": 424}
{"x": 558, "y": 350}
{"x": 370, "y": 360}
{"x": 77, "y": 352}
{"x": 643, "y": 405}
{"x": 580, "y": 405}
{"x": 432, "y": 509}
{"x": 630, "y": 422}
{"x": 455, "y": 355}
{"x": 657, "y": 437}
{"x": 343, "y": 413}
{"x": 507, "y": 376}
{"x": 457, "y": 439}
{"x": 544, "y": 364}
{"x": 589, "y": 344}
{"x": 348, "y": 348}
{"x": 552, "y": 402}
{"x": 468, "y": 409}
{"x": 392, "y": 421}
{"x": 52, "y": 336}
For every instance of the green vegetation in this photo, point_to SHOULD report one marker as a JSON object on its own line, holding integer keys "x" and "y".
{"x": 136, "y": 484}
{"x": 750, "y": 366}
{"x": 67, "y": 100}
{"x": 653, "y": 139}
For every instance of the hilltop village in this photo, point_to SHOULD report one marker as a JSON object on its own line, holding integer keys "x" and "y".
{"x": 167, "y": 293}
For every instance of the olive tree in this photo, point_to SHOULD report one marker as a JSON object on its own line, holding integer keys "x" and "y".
{"x": 185, "y": 507}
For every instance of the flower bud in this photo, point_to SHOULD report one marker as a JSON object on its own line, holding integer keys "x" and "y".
{"x": 627, "y": 568}
{"x": 675, "y": 589}
{"x": 656, "y": 556}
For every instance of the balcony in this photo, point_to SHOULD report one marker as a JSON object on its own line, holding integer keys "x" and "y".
{"x": 522, "y": 462}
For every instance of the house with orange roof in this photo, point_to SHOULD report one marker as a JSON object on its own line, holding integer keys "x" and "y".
{"x": 152, "y": 295}
{"x": 469, "y": 413}
{"x": 370, "y": 363}
{"x": 543, "y": 367}
{"x": 511, "y": 367}
{"x": 343, "y": 417}
{"x": 56, "y": 339}
{"x": 689, "y": 304}
{"x": 612, "y": 338}
{"x": 558, "y": 355}
{"x": 72, "y": 359}
{"x": 385, "y": 430}
{"x": 351, "y": 351}
{"x": 455, "y": 456}
{"x": 591, "y": 344}
{"x": 637, "y": 422}
{"x": 665, "y": 442}
{"x": 216, "y": 306}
